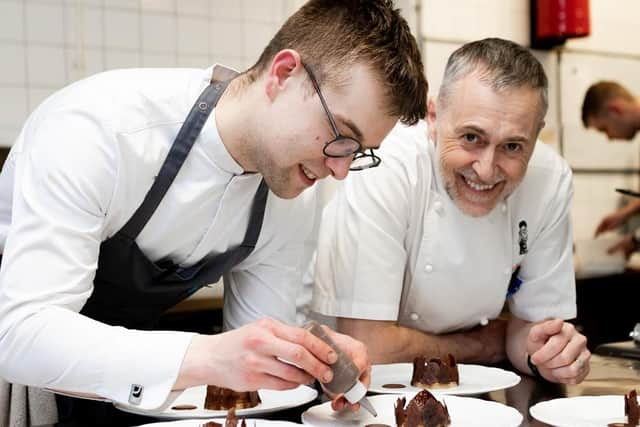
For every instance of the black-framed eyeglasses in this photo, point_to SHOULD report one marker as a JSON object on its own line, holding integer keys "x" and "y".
{"x": 343, "y": 146}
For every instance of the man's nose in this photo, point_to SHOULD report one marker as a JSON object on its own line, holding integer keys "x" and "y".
{"x": 485, "y": 165}
{"x": 339, "y": 166}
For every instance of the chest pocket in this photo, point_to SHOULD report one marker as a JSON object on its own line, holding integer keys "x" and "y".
{"x": 463, "y": 269}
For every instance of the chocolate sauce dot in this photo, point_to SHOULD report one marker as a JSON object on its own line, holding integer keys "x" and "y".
{"x": 184, "y": 407}
{"x": 393, "y": 385}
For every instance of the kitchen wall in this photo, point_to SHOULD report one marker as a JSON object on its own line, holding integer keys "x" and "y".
{"x": 46, "y": 44}
{"x": 611, "y": 52}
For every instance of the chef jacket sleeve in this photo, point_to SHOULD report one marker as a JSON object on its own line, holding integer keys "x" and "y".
{"x": 546, "y": 272}
{"x": 64, "y": 178}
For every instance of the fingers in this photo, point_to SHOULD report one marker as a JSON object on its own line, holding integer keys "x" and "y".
{"x": 575, "y": 372}
{"x": 568, "y": 352}
{"x": 357, "y": 351}
{"x": 540, "y": 333}
{"x": 296, "y": 346}
{"x": 339, "y": 403}
{"x": 564, "y": 357}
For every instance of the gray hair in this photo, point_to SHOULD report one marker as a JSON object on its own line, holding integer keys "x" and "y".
{"x": 502, "y": 64}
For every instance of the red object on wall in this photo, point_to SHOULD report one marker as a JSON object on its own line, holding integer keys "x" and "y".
{"x": 555, "y": 21}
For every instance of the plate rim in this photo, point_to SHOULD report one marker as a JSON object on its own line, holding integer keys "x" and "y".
{"x": 412, "y": 394}
{"x": 516, "y": 379}
{"x": 162, "y": 414}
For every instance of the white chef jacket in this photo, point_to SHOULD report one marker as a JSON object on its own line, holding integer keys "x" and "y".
{"x": 80, "y": 167}
{"x": 393, "y": 245}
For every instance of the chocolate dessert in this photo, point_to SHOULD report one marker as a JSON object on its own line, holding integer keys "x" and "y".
{"x": 423, "y": 410}
{"x": 223, "y": 398}
{"x": 631, "y": 410}
{"x": 435, "y": 372}
{"x": 231, "y": 421}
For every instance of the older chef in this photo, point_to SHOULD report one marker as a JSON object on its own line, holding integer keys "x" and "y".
{"x": 122, "y": 196}
{"x": 419, "y": 256}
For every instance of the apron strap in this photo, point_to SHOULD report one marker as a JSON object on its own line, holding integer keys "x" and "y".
{"x": 177, "y": 154}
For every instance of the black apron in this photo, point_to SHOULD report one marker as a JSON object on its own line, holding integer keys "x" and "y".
{"x": 132, "y": 291}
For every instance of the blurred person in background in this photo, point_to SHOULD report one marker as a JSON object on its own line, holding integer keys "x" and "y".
{"x": 610, "y": 108}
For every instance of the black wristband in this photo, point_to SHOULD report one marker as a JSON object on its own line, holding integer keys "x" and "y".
{"x": 534, "y": 368}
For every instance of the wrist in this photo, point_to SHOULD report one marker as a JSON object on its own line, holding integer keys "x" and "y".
{"x": 533, "y": 368}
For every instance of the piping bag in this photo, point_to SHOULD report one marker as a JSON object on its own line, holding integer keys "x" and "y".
{"x": 345, "y": 372}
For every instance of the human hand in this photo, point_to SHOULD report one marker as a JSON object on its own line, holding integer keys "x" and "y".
{"x": 612, "y": 221}
{"x": 357, "y": 351}
{"x": 559, "y": 351}
{"x": 263, "y": 354}
{"x": 626, "y": 245}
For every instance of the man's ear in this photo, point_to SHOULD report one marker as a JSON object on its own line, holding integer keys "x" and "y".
{"x": 283, "y": 65}
{"x": 431, "y": 119}
{"x": 615, "y": 107}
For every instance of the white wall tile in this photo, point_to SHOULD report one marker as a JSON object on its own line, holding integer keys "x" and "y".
{"x": 122, "y": 59}
{"x": 44, "y": 22}
{"x": 262, "y": 10}
{"x": 46, "y": 66}
{"x": 36, "y": 96}
{"x": 8, "y": 135}
{"x": 193, "y": 35}
{"x": 194, "y": 61}
{"x": 122, "y": 4}
{"x": 259, "y": 35}
{"x": 93, "y": 3}
{"x": 471, "y": 20}
{"x": 613, "y": 28}
{"x": 160, "y": 60}
{"x": 82, "y": 63}
{"x": 167, "y": 6}
{"x": 227, "y": 38}
{"x": 198, "y": 8}
{"x": 11, "y": 21}
{"x": 12, "y": 63}
{"x": 227, "y": 9}
{"x": 122, "y": 29}
{"x": 13, "y": 108}
{"x": 84, "y": 25}
{"x": 158, "y": 32}
{"x": 588, "y": 148}
{"x": 237, "y": 63}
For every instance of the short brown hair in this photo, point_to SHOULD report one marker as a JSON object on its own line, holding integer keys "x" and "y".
{"x": 500, "y": 63}
{"x": 334, "y": 34}
{"x": 597, "y": 97}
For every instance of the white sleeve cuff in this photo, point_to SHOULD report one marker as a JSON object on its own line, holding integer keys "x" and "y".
{"x": 143, "y": 372}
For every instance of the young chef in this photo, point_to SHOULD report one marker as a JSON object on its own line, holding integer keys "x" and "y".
{"x": 129, "y": 190}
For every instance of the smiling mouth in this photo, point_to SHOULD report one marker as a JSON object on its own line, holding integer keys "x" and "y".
{"x": 479, "y": 187}
{"x": 308, "y": 174}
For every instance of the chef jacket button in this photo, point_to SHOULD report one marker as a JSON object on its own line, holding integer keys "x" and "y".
{"x": 484, "y": 321}
{"x": 503, "y": 207}
{"x": 428, "y": 268}
{"x": 507, "y": 271}
{"x": 414, "y": 316}
{"x": 438, "y": 207}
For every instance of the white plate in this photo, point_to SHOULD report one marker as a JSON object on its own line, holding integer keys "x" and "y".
{"x": 197, "y": 423}
{"x": 272, "y": 400}
{"x": 474, "y": 379}
{"x": 464, "y": 412}
{"x": 580, "y": 411}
